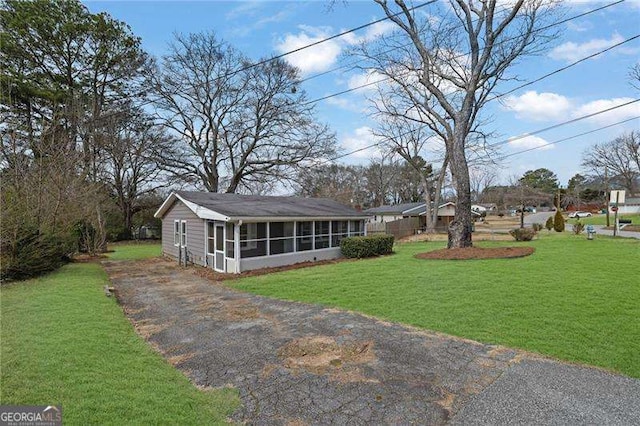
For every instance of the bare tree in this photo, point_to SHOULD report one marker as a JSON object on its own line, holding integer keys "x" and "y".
{"x": 523, "y": 194}
{"x": 339, "y": 182}
{"x": 409, "y": 140}
{"x": 634, "y": 76}
{"x": 619, "y": 158}
{"x": 456, "y": 56}
{"x": 238, "y": 126}
{"x": 381, "y": 177}
{"x": 480, "y": 178}
{"x": 130, "y": 150}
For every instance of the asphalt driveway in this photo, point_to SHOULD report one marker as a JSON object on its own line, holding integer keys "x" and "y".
{"x": 295, "y": 363}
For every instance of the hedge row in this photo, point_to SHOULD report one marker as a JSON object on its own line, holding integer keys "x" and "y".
{"x": 34, "y": 254}
{"x": 371, "y": 245}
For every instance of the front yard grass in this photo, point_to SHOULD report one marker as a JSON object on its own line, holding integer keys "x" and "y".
{"x": 601, "y": 219}
{"x": 134, "y": 251}
{"x": 64, "y": 342}
{"x": 573, "y": 299}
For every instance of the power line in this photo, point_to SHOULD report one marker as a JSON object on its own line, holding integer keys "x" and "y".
{"x": 566, "y": 67}
{"x": 350, "y": 64}
{"x": 593, "y": 55}
{"x": 568, "y": 138}
{"x": 495, "y": 144}
{"x": 250, "y": 66}
{"x": 324, "y": 40}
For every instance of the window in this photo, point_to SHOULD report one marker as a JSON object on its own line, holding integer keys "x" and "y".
{"x": 281, "y": 237}
{"x": 304, "y": 236}
{"x": 253, "y": 239}
{"x": 230, "y": 243}
{"x": 219, "y": 238}
{"x": 176, "y": 232}
{"x": 211, "y": 238}
{"x": 322, "y": 234}
{"x": 183, "y": 233}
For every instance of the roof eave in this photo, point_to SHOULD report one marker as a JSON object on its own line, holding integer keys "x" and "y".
{"x": 293, "y": 218}
{"x": 198, "y": 210}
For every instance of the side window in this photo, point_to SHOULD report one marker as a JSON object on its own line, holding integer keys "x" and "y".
{"x": 176, "y": 232}
{"x": 183, "y": 233}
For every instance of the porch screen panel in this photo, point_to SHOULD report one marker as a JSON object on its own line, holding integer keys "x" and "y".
{"x": 230, "y": 242}
{"x": 253, "y": 239}
{"x": 281, "y": 237}
{"x": 339, "y": 231}
{"x": 356, "y": 228}
{"x": 322, "y": 234}
{"x": 304, "y": 236}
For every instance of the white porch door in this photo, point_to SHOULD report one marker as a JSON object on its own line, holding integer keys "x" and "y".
{"x": 218, "y": 262}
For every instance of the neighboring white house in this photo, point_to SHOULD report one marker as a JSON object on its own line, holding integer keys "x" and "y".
{"x": 233, "y": 233}
{"x": 630, "y": 206}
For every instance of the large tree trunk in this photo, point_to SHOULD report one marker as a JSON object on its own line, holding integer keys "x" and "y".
{"x": 429, "y": 225}
{"x": 461, "y": 227}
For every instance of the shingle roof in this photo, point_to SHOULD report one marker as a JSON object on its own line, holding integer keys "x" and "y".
{"x": 394, "y": 209}
{"x": 248, "y": 206}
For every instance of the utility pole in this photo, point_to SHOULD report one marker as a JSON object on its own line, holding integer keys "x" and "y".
{"x": 606, "y": 191}
{"x": 615, "y": 221}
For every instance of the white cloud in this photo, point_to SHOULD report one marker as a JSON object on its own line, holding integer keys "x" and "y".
{"x": 360, "y": 139}
{"x": 538, "y": 106}
{"x": 313, "y": 59}
{"x": 555, "y": 108}
{"x": 359, "y": 106}
{"x": 324, "y": 55}
{"x": 528, "y": 142}
{"x": 579, "y": 27}
{"x": 250, "y": 15}
{"x": 571, "y": 52}
{"x": 619, "y": 114}
{"x": 367, "y": 79}
{"x": 244, "y": 10}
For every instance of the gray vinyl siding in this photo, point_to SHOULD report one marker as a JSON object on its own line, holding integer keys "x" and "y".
{"x": 195, "y": 233}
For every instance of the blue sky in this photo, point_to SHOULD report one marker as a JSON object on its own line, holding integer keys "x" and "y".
{"x": 263, "y": 28}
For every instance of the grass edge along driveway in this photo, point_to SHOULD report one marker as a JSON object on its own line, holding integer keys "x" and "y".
{"x": 573, "y": 299}
{"x": 64, "y": 342}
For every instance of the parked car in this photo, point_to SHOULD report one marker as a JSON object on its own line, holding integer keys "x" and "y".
{"x": 578, "y": 214}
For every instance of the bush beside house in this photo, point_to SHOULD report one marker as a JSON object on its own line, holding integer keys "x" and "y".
{"x": 368, "y": 246}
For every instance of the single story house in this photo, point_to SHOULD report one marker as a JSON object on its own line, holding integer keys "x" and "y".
{"x": 392, "y": 212}
{"x": 384, "y": 214}
{"x": 232, "y": 233}
{"x": 631, "y": 205}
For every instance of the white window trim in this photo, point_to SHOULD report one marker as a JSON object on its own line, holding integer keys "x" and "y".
{"x": 210, "y": 237}
{"x": 176, "y": 241}
{"x": 183, "y": 233}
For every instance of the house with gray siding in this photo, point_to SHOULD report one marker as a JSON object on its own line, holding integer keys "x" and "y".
{"x": 232, "y": 233}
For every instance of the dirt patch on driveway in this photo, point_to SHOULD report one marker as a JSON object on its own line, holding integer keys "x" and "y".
{"x": 298, "y": 363}
{"x": 322, "y": 354}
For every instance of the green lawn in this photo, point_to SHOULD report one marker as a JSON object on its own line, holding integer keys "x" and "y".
{"x": 64, "y": 342}
{"x": 601, "y": 219}
{"x": 573, "y": 299}
{"x": 131, "y": 251}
